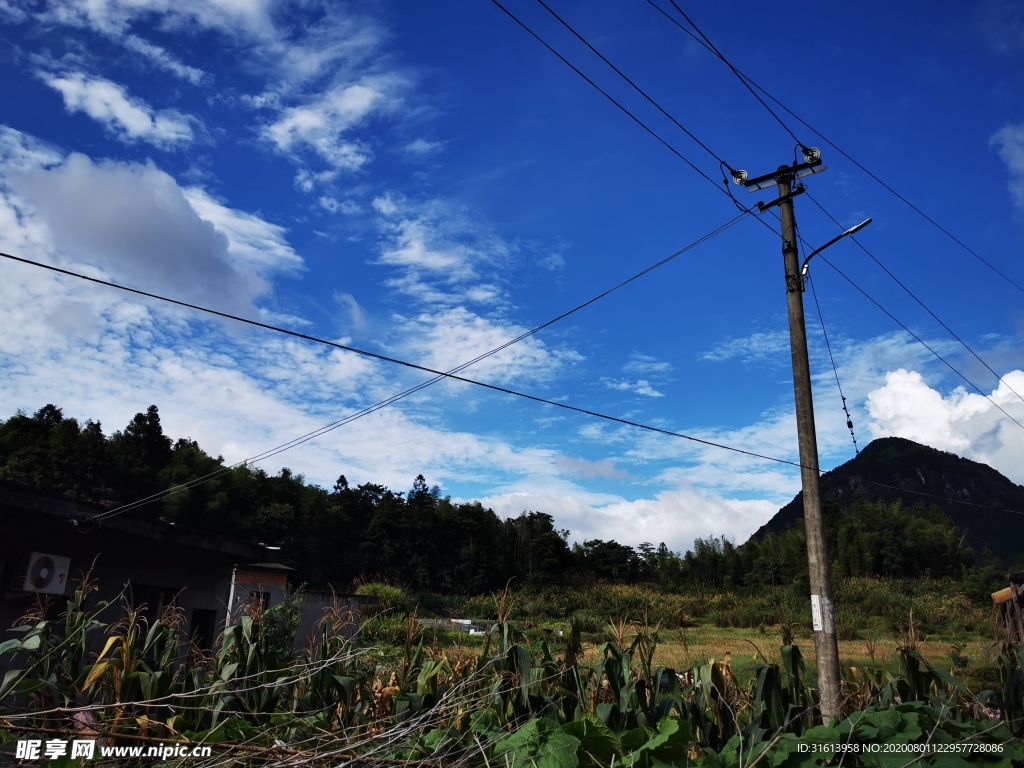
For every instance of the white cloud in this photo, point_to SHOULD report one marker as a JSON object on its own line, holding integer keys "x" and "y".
{"x": 645, "y": 364}
{"x": 253, "y": 243}
{"x": 20, "y": 151}
{"x": 1009, "y": 143}
{"x": 347, "y": 207}
{"x": 757, "y": 347}
{"x": 164, "y": 60}
{"x": 444, "y": 339}
{"x": 676, "y": 516}
{"x": 356, "y": 314}
{"x": 127, "y": 118}
{"x": 135, "y": 222}
{"x": 114, "y": 17}
{"x": 604, "y": 469}
{"x": 552, "y": 261}
{"x": 640, "y": 387}
{"x": 422, "y": 147}
{"x": 961, "y": 422}
{"x": 385, "y": 205}
{"x": 413, "y": 249}
{"x": 321, "y": 125}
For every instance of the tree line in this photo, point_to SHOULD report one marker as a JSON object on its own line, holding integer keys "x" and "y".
{"x": 424, "y": 540}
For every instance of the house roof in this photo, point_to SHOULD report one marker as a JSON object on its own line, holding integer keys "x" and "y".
{"x": 20, "y": 499}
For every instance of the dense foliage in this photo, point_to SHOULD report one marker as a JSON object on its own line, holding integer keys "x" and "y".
{"x": 429, "y": 542}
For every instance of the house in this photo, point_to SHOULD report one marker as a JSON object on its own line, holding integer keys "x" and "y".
{"x": 48, "y": 542}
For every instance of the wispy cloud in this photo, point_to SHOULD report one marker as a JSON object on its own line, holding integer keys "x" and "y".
{"x": 639, "y": 387}
{"x": 1001, "y": 24}
{"x": 164, "y": 60}
{"x": 347, "y": 207}
{"x": 762, "y": 346}
{"x": 604, "y": 469}
{"x": 1009, "y": 143}
{"x": 129, "y": 119}
{"x": 422, "y": 147}
{"x": 645, "y": 364}
{"x": 322, "y": 126}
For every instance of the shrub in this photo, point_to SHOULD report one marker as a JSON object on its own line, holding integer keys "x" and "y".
{"x": 391, "y": 598}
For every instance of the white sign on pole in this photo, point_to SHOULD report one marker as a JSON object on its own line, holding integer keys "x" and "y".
{"x": 816, "y": 613}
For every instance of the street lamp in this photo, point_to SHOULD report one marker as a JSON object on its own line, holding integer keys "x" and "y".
{"x": 807, "y": 262}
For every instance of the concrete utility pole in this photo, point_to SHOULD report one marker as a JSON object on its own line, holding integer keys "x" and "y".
{"x": 825, "y": 646}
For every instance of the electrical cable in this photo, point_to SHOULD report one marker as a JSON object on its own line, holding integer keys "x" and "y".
{"x": 905, "y": 328}
{"x": 714, "y": 49}
{"x": 636, "y": 87}
{"x": 464, "y": 380}
{"x": 422, "y": 385}
{"x": 377, "y": 406}
{"x": 924, "y": 306}
{"x": 842, "y": 152}
{"x": 612, "y": 99}
{"x": 828, "y": 346}
{"x": 919, "y": 340}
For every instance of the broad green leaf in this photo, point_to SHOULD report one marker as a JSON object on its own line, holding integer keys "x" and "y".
{"x": 538, "y": 744}
{"x": 599, "y": 745}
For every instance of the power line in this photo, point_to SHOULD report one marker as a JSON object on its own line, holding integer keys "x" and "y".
{"x": 636, "y": 87}
{"x": 915, "y": 298}
{"x": 905, "y": 328}
{"x": 919, "y": 339}
{"x": 464, "y": 380}
{"x": 422, "y": 385}
{"x": 746, "y": 79}
{"x": 612, "y": 99}
{"x": 714, "y": 49}
{"x": 828, "y": 346}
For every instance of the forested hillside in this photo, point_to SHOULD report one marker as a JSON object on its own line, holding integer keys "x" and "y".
{"x": 984, "y": 504}
{"x": 425, "y": 540}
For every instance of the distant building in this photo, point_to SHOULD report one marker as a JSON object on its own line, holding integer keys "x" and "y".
{"x": 47, "y": 542}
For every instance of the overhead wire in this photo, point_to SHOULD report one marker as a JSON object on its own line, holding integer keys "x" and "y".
{"x": 917, "y": 338}
{"x": 709, "y": 45}
{"x": 921, "y": 341}
{"x": 438, "y": 375}
{"x": 636, "y": 87}
{"x": 750, "y": 82}
{"x": 387, "y": 401}
{"x": 714, "y": 49}
{"x": 614, "y": 101}
{"x": 422, "y": 385}
{"x": 465, "y": 380}
{"x": 912, "y": 295}
{"x": 835, "y": 370}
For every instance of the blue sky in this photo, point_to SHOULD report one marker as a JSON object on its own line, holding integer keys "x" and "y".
{"x": 426, "y": 181}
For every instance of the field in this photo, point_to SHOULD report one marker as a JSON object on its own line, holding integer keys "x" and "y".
{"x": 579, "y": 678}
{"x": 875, "y": 617}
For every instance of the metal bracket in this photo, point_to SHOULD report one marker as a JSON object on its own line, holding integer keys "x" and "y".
{"x": 800, "y": 189}
{"x": 794, "y": 171}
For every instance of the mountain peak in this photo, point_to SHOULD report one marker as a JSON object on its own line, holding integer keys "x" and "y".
{"x": 983, "y": 503}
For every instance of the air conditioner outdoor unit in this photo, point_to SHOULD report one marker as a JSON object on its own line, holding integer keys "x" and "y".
{"x": 40, "y": 572}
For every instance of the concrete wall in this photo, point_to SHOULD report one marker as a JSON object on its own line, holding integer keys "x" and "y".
{"x": 315, "y": 604}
